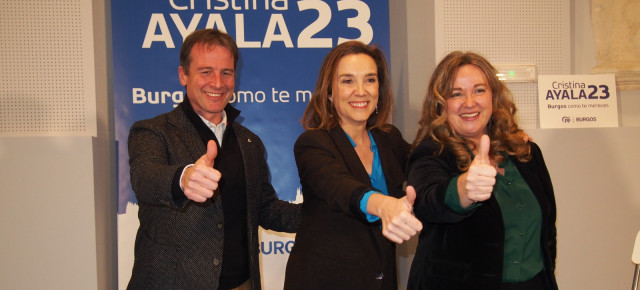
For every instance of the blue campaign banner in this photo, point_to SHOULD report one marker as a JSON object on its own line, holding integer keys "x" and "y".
{"x": 282, "y": 44}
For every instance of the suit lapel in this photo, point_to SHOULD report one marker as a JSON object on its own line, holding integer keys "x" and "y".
{"x": 252, "y": 166}
{"x": 186, "y": 133}
{"x": 349, "y": 154}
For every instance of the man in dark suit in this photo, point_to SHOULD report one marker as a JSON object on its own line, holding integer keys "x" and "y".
{"x": 201, "y": 181}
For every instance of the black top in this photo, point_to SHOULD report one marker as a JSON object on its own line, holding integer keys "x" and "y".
{"x": 336, "y": 247}
{"x": 465, "y": 250}
{"x": 235, "y": 259}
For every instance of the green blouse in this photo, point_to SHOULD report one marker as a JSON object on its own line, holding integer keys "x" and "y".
{"x": 522, "y": 219}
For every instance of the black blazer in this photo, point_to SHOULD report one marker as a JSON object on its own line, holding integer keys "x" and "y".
{"x": 179, "y": 243}
{"x": 465, "y": 251}
{"x": 336, "y": 247}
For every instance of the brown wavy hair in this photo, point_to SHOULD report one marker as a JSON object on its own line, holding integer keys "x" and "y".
{"x": 502, "y": 127}
{"x": 321, "y": 114}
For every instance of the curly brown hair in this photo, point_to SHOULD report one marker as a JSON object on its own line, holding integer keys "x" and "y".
{"x": 502, "y": 127}
{"x": 321, "y": 114}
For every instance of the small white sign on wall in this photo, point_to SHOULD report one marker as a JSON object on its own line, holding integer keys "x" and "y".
{"x": 577, "y": 101}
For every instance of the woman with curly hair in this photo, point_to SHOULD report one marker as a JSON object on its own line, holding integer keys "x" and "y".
{"x": 484, "y": 193}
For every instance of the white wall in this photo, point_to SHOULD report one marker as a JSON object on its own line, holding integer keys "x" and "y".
{"x": 594, "y": 171}
{"x": 58, "y": 210}
{"x": 48, "y": 237}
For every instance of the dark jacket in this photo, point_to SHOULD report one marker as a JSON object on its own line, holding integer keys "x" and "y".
{"x": 465, "y": 251}
{"x": 336, "y": 248}
{"x": 180, "y": 242}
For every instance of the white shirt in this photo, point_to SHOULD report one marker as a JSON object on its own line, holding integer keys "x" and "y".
{"x": 219, "y": 129}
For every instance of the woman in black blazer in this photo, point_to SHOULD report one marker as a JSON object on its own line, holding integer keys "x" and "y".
{"x": 483, "y": 191}
{"x": 350, "y": 163}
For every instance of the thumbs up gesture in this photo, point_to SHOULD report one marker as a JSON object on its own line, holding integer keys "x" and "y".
{"x": 398, "y": 222}
{"x": 201, "y": 180}
{"x": 477, "y": 184}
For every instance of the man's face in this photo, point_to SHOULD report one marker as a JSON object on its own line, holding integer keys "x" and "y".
{"x": 210, "y": 81}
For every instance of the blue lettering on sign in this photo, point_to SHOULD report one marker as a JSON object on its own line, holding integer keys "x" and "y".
{"x": 276, "y": 247}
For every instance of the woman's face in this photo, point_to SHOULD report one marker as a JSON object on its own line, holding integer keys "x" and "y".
{"x": 469, "y": 107}
{"x": 355, "y": 89}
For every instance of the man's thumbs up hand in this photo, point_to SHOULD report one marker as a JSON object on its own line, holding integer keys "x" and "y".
{"x": 201, "y": 180}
